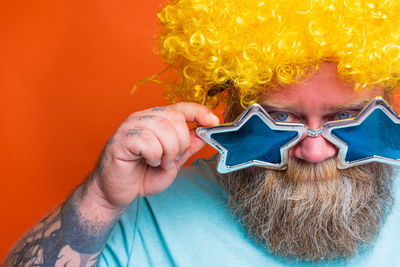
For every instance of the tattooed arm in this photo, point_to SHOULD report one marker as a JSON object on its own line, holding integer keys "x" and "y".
{"x": 72, "y": 235}
{"x": 142, "y": 158}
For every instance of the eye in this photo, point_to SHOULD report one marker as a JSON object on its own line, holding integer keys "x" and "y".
{"x": 280, "y": 116}
{"x": 345, "y": 115}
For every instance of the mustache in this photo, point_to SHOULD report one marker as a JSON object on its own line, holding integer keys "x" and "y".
{"x": 302, "y": 171}
{"x": 299, "y": 171}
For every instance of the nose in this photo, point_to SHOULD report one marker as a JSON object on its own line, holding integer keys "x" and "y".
{"x": 314, "y": 149}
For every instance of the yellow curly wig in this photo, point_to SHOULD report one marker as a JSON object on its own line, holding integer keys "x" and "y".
{"x": 255, "y": 45}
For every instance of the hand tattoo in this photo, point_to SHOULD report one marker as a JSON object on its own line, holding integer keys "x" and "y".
{"x": 146, "y": 117}
{"x": 158, "y": 109}
{"x": 137, "y": 132}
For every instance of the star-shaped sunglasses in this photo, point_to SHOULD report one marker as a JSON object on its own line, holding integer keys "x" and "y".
{"x": 256, "y": 139}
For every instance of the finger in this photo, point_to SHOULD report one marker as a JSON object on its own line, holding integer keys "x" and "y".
{"x": 143, "y": 143}
{"x": 176, "y": 119}
{"x": 181, "y": 130}
{"x": 166, "y": 134}
{"x": 196, "y": 113}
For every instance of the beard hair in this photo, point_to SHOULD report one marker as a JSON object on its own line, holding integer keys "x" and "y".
{"x": 312, "y": 211}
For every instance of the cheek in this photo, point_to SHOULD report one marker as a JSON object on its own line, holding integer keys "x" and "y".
{"x": 291, "y": 152}
{"x": 294, "y": 151}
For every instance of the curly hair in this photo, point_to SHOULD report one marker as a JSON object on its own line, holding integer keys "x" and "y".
{"x": 254, "y": 45}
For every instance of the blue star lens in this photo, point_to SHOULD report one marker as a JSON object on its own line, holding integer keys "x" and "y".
{"x": 254, "y": 141}
{"x": 376, "y": 135}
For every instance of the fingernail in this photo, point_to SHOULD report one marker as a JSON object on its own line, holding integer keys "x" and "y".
{"x": 171, "y": 165}
{"x": 213, "y": 117}
{"x": 155, "y": 163}
{"x": 178, "y": 157}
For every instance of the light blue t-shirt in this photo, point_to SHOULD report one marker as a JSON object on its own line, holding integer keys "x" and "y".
{"x": 190, "y": 224}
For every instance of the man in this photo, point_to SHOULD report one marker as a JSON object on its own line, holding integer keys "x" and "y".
{"x": 301, "y": 61}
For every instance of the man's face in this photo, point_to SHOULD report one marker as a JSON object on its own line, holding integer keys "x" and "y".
{"x": 321, "y": 98}
{"x": 312, "y": 211}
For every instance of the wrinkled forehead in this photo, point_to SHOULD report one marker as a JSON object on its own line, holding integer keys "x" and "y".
{"x": 323, "y": 90}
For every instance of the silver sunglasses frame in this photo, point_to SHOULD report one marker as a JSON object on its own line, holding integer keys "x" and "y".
{"x": 376, "y": 103}
{"x": 254, "y": 110}
{"x": 205, "y": 133}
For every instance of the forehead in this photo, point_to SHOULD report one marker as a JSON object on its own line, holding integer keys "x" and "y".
{"x": 322, "y": 91}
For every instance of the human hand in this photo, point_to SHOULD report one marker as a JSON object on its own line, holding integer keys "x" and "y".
{"x": 145, "y": 154}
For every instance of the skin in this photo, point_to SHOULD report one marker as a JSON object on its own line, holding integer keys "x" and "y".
{"x": 320, "y": 99}
{"x": 144, "y": 155}
{"x": 142, "y": 158}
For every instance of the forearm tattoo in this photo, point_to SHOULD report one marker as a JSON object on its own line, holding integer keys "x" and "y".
{"x": 64, "y": 238}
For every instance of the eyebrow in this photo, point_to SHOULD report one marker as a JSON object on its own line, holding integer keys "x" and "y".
{"x": 278, "y": 105}
{"x": 358, "y": 104}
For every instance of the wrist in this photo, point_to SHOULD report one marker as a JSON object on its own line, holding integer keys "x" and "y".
{"x": 94, "y": 205}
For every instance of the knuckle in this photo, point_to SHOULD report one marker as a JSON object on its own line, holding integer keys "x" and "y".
{"x": 158, "y": 109}
{"x": 143, "y": 142}
{"x": 146, "y": 136}
{"x": 177, "y": 105}
{"x": 163, "y": 123}
{"x": 173, "y": 113}
{"x": 133, "y": 116}
{"x": 177, "y": 116}
{"x": 135, "y": 137}
{"x": 134, "y": 132}
{"x": 180, "y": 117}
{"x": 138, "y": 114}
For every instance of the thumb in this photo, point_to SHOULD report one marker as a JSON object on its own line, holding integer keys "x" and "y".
{"x": 196, "y": 143}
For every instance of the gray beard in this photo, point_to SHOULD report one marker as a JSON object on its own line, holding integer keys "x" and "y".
{"x": 311, "y": 212}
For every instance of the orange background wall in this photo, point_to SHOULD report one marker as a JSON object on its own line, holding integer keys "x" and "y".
{"x": 66, "y": 70}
